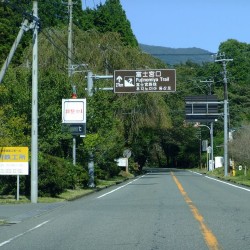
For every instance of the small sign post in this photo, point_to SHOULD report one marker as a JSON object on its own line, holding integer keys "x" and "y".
{"x": 74, "y": 119}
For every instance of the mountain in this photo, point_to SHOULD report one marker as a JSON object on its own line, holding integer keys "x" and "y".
{"x": 173, "y": 56}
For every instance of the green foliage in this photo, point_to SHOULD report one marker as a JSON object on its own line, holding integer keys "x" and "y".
{"x": 56, "y": 175}
{"x": 239, "y": 145}
{"x": 7, "y": 185}
{"x": 110, "y": 17}
{"x": 10, "y": 22}
{"x": 239, "y": 79}
{"x": 13, "y": 128}
{"x": 106, "y": 170}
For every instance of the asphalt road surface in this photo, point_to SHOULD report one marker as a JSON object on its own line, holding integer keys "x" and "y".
{"x": 173, "y": 209}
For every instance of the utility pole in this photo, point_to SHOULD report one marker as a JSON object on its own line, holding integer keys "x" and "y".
{"x": 209, "y": 83}
{"x": 4, "y": 68}
{"x": 34, "y": 129}
{"x": 70, "y": 67}
{"x": 224, "y": 63}
{"x": 70, "y": 45}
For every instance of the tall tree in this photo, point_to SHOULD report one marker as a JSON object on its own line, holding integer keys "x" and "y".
{"x": 10, "y": 22}
{"x": 111, "y": 17}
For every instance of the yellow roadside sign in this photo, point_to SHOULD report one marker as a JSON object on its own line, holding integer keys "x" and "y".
{"x": 14, "y": 154}
{"x": 14, "y": 160}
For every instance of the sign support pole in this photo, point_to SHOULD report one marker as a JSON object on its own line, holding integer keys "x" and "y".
{"x": 74, "y": 150}
{"x": 17, "y": 187}
{"x": 212, "y": 143}
{"x": 90, "y": 87}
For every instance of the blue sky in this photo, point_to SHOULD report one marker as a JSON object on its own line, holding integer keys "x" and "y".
{"x": 186, "y": 23}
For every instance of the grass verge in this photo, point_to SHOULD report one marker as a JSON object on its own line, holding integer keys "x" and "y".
{"x": 2, "y": 222}
{"x": 219, "y": 173}
{"x": 68, "y": 195}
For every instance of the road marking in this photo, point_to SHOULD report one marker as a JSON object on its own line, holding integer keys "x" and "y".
{"x": 224, "y": 182}
{"x": 119, "y": 187}
{"x": 195, "y": 172}
{"x": 208, "y": 235}
{"x": 246, "y": 189}
{"x": 19, "y": 235}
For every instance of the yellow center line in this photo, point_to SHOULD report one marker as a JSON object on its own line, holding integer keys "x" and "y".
{"x": 208, "y": 235}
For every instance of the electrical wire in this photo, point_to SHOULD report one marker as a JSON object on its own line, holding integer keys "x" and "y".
{"x": 58, "y": 38}
{"x": 20, "y": 9}
{"x": 50, "y": 39}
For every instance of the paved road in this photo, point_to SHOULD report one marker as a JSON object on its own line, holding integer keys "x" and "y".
{"x": 160, "y": 210}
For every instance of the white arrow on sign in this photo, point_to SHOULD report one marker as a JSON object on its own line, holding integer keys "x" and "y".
{"x": 119, "y": 78}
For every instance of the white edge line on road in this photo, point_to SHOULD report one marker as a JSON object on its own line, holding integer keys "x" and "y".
{"x": 246, "y": 189}
{"x": 19, "y": 235}
{"x": 194, "y": 172}
{"x": 119, "y": 187}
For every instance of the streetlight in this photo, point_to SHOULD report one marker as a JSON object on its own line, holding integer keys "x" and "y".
{"x": 211, "y": 130}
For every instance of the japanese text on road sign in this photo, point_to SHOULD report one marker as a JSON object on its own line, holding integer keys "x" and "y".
{"x": 152, "y": 80}
{"x": 74, "y": 110}
{"x": 14, "y": 161}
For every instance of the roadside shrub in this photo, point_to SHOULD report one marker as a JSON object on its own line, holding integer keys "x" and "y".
{"x": 112, "y": 169}
{"x": 7, "y": 185}
{"x": 56, "y": 175}
{"x": 81, "y": 177}
{"x": 106, "y": 170}
{"x": 100, "y": 173}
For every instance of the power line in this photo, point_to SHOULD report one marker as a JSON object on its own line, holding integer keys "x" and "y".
{"x": 58, "y": 38}
{"x": 50, "y": 39}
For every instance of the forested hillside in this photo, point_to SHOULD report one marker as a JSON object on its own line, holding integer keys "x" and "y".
{"x": 151, "y": 125}
{"x": 179, "y": 55}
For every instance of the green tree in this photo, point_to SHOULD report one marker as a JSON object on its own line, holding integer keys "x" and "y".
{"x": 239, "y": 146}
{"x": 238, "y": 80}
{"x": 10, "y": 22}
{"x": 110, "y": 17}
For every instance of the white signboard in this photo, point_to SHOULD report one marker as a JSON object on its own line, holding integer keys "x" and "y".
{"x": 122, "y": 162}
{"x": 73, "y": 110}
